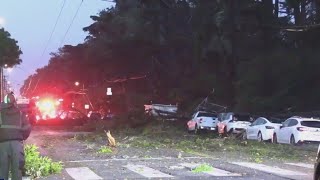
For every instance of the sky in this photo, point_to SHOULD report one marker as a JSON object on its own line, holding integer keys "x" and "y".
{"x": 31, "y": 23}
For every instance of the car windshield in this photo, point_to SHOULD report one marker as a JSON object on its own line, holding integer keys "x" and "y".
{"x": 203, "y": 114}
{"x": 241, "y": 117}
{"x": 314, "y": 124}
{"x": 276, "y": 120}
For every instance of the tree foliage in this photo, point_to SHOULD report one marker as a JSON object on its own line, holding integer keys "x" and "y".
{"x": 257, "y": 55}
{"x": 9, "y": 49}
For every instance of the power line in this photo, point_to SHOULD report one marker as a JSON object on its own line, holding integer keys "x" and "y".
{"x": 54, "y": 28}
{"x": 50, "y": 37}
{"x": 74, "y": 17}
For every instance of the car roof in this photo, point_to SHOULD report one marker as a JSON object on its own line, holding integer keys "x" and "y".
{"x": 304, "y": 119}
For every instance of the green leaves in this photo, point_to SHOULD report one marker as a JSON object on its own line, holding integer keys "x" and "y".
{"x": 37, "y": 166}
{"x": 9, "y": 50}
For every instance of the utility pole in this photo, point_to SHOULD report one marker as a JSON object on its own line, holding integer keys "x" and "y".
{"x": 1, "y": 84}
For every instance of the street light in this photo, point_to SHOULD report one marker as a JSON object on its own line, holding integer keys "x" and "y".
{"x": 77, "y": 83}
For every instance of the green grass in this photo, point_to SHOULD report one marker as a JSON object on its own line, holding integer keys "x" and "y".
{"x": 105, "y": 150}
{"x": 168, "y": 134}
{"x": 202, "y": 168}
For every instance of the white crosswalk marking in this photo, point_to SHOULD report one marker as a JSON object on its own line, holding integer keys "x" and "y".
{"x": 147, "y": 171}
{"x": 270, "y": 169}
{"x": 82, "y": 173}
{"x": 214, "y": 172}
{"x": 309, "y": 166}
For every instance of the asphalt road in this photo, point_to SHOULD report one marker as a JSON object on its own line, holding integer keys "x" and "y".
{"x": 82, "y": 162}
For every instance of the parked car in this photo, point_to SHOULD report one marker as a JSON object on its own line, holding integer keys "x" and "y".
{"x": 234, "y": 122}
{"x": 317, "y": 166}
{"x": 94, "y": 115}
{"x": 296, "y": 130}
{"x": 262, "y": 129}
{"x": 66, "y": 117}
{"x": 202, "y": 121}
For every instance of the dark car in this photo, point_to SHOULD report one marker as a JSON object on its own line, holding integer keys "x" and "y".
{"x": 317, "y": 166}
{"x": 94, "y": 115}
{"x": 66, "y": 118}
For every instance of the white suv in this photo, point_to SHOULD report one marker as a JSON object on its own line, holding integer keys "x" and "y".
{"x": 297, "y": 130}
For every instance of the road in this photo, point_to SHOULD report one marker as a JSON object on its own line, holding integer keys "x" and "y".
{"x": 82, "y": 162}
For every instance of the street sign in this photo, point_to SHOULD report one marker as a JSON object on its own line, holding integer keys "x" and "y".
{"x": 109, "y": 92}
{"x": 23, "y": 101}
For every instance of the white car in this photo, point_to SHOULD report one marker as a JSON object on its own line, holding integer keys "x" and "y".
{"x": 202, "y": 121}
{"x": 296, "y": 130}
{"x": 261, "y": 129}
{"x": 235, "y": 122}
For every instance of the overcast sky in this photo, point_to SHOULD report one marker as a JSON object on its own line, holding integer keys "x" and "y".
{"x": 31, "y": 23}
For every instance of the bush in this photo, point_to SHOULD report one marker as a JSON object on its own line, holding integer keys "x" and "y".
{"x": 37, "y": 166}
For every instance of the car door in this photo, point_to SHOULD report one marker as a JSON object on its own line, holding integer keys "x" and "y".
{"x": 256, "y": 128}
{"x": 191, "y": 124}
{"x": 289, "y": 130}
{"x": 250, "y": 129}
{"x": 282, "y": 131}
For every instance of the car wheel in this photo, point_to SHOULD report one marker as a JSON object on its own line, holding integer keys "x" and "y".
{"x": 196, "y": 130}
{"x": 260, "y": 137}
{"x": 231, "y": 131}
{"x": 225, "y": 130}
{"x": 187, "y": 127}
{"x": 274, "y": 139}
{"x": 244, "y": 136}
{"x": 292, "y": 140}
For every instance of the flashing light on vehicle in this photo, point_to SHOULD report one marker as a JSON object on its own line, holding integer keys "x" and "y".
{"x": 46, "y": 105}
{"x": 47, "y": 108}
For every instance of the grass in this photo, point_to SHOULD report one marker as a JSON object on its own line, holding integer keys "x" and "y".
{"x": 202, "y": 168}
{"x": 105, "y": 150}
{"x": 173, "y": 135}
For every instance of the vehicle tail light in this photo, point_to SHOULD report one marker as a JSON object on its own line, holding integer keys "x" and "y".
{"x": 301, "y": 129}
{"x": 200, "y": 121}
{"x": 269, "y": 127}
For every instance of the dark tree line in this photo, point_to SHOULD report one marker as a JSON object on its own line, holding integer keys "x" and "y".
{"x": 257, "y": 55}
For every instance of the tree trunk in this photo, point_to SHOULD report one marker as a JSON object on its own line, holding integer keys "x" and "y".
{"x": 303, "y": 13}
{"x": 233, "y": 58}
{"x": 276, "y": 9}
{"x": 317, "y": 10}
{"x": 297, "y": 12}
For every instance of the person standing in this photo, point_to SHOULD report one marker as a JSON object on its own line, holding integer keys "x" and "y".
{"x": 14, "y": 129}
